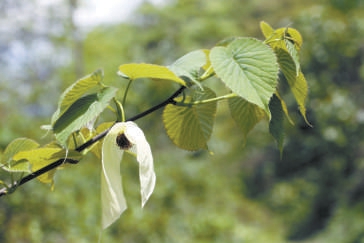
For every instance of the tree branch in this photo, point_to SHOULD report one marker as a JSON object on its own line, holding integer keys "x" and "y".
{"x": 35, "y": 174}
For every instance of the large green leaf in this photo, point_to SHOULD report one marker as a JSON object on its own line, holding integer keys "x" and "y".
{"x": 190, "y": 127}
{"x": 85, "y": 85}
{"x": 245, "y": 114}
{"x": 249, "y": 68}
{"x": 143, "y": 70}
{"x": 297, "y": 83}
{"x": 41, "y": 157}
{"x": 17, "y": 145}
{"x": 189, "y": 65}
{"x": 276, "y": 124}
{"x": 82, "y": 111}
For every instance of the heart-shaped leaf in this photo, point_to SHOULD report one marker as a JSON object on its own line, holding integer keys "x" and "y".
{"x": 249, "y": 68}
{"x": 190, "y": 127}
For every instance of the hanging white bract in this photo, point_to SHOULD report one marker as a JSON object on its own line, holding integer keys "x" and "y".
{"x": 123, "y": 136}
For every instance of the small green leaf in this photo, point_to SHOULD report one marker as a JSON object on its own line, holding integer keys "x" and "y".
{"x": 143, "y": 70}
{"x": 279, "y": 36}
{"x": 17, "y": 145}
{"x": 249, "y": 68}
{"x": 190, "y": 127}
{"x": 276, "y": 124}
{"x": 266, "y": 29}
{"x": 284, "y": 107}
{"x": 85, "y": 85}
{"x": 293, "y": 36}
{"x": 41, "y": 157}
{"x": 297, "y": 83}
{"x": 189, "y": 65}
{"x": 289, "y": 40}
{"x": 294, "y": 55}
{"x": 82, "y": 111}
{"x": 245, "y": 114}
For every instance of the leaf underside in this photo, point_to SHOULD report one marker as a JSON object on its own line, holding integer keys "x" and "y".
{"x": 245, "y": 114}
{"x": 81, "y": 112}
{"x": 190, "y": 127}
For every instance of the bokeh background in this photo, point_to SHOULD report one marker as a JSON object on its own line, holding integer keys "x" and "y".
{"x": 313, "y": 194}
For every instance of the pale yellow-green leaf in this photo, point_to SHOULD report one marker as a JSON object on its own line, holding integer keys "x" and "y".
{"x": 17, "y": 145}
{"x": 41, "y": 157}
{"x": 297, "y": 83}
{"x": 286, "y": 39}
{"x": 266, "y": 29}
{"x": 143, "y": 70}
{"x": 278, "y": 37}
{"x": 245, "y": 114}
{"x": 190, "y": 127}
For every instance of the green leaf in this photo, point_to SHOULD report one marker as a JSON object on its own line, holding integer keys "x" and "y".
{"x": 189, "y": 65}
{"x": 85, "y": 85}
{"x": 284, "y": 107}
{"x": 266, "y": 29}
{"x": 190, "y": 127}
{"x": 249, "y": 68}
{"x": 41, "y": 157}
{"x": 17, "y": 145}
{"x": 287, "y": 39}
{"x": 294, "y": 55}
{"x": 297, "y": 83}
{"x": 293, "y": 36}
{"x": 276, "y": 124}
{"x": 143, "y": 70}
{"x": 279, "y": 36}
{"x": 245, "y": 114}
{"x": 82, "y": 111}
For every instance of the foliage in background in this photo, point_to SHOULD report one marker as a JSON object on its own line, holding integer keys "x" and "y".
{"x": 311, "y": 196}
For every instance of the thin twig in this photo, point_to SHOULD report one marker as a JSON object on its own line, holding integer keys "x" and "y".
{"x": 49, "y": 167}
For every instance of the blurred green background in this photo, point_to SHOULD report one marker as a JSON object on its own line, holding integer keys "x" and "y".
{"x": 313, "y": 194}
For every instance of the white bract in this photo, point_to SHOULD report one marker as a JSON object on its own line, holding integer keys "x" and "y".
{"x": 129, "y": 137}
